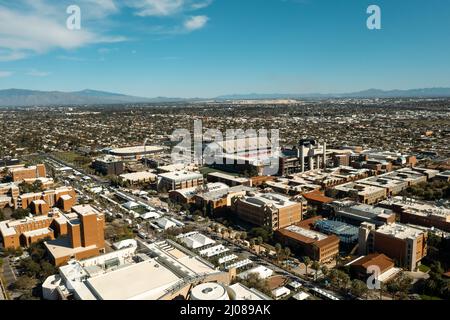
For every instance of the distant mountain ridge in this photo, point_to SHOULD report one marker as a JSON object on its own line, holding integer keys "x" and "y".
{"x": 371, "y": 93}
{"x": 20, "y": 97}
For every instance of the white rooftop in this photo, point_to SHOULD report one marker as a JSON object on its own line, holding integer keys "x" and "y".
{"x": 147, "y": 280}
{"x": 195, "y": 240}
{"x": 399, "y": 231}
{"x": 307, "y": 233}
{"x": 181, "y": 175}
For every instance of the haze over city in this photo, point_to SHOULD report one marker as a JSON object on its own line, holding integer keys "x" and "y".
{"x": 208, "y": 48}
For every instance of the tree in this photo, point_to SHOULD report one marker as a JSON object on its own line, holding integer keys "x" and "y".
{"x": 325, "y": 270}
{"x": 31, "y": 267}
{"x": 259, "y": 241}
{"x": 358, "y": 288}
{"x": 307, "y": 262}
{"x": 287, "y": 252}
{"x": 20, "y": 213}
{"x": 316, "y": 266}
{"x": 333, "y": 275}
{"x": 344, "y": 279}
{"x": 278, "y": 249}
{"x": 252, "y": 243}
{"x": 47, "y": 269}
{"x": 25, "y": 283}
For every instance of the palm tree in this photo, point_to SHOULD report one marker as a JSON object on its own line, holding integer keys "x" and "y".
{"x": 278, "y": 249}
{"x": 259, "y": 242}
{"x": 325, "y": 270}
{"x": 307, "y": 262}
{"x": 316, "y": 266}
{"x": 252, "y": 243}
{"x": 287, "y": 252}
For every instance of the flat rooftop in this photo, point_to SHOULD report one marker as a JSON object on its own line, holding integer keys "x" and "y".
{"x": 399, "y": 231}
{"x": 84, "y": 210}
{"x": 136, "y": 176}
{"x": 311, "y": 234}
{"x": 277, "y": 200}
{"x": 228, "y": 177}
{"x": 61, "y": 247}
{"x": 136, "y": 150}
{"x": 181, "y": 175}
{"x": 147, "y": 280}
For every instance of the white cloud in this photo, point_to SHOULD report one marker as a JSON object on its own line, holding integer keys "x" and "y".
{"x": 157, "y": 7}
{"x": 164, "y": 8}
{"x": 5, "y": 74}
{"x": 26, "y": 32}
{"x": 33, "y": 27}
{"x": 195, "y": 23}
{"x": 37, "y": 73}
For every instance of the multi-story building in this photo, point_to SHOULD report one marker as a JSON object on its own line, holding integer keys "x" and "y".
{"x": 63, "y": 197}
{"x": 406, "y": 245}
{"x": 308, "y": 155}
{"x": 109, "y": 165}
{"x": 9, "y": 192}
{"x": 179, "y": 180}
{"x": 301, "y": 238}
{"x": 138, "y": 177}
{"x": 183, "y": 196}
{"x": 362, "y": 193}
{"x": 168, "y": 271}
{"x": 228, "y": 179}
{"x": 269, "y": 210}
{"x": 392, "y": 186}
{"x": 17, "y": 233}
{"x": 85, "y": 236}
{"x": 356, "y": 213}
{"x": 421, "y": 213}
{"x": 19, "y": 174}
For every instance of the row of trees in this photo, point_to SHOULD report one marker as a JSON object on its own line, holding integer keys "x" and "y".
{"x": 31, "y": 187}
{"x": 430, "y": 191}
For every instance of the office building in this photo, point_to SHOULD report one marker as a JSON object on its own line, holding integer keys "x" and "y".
{"x": 20, "y": 174}
{"x": 138, "y": 177}
{"x": 356, "y": 213}
{"x": 269, "y": 210}
{"x": 406, "y": 245}
{"x": 109, "y": 166}
{"x": 228, "y": 179}
{"x": 179, "y": 180}
{"x": 421, "y": 213}
{"x": 85, "y": 236}
{"x": 168, "y": 271}
{"x": 307, "y": 155}
{"x": 362, "y": 193}
{"x": 301, "y": 238}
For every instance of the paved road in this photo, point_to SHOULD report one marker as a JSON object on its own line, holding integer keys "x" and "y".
{"x": 2, "y": 291}
{"x": 8, "y": 273}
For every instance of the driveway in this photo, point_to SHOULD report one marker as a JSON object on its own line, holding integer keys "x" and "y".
{"x": 8, "y": 273}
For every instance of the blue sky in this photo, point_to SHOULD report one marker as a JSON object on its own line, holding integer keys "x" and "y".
{"x": 205, "y": 48}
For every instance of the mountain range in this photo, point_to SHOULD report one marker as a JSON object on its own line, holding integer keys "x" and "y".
{"x": 20, "y": 97}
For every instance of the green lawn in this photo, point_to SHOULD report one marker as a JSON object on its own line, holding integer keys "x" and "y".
{"x": 424, "y": 268}
{"x": 425, "y": 297}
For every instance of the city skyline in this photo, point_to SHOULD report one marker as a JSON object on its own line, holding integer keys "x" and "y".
{"x": 174, "y": 48}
